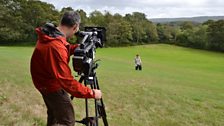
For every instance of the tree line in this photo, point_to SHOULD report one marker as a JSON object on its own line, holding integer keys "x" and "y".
{"x": 19, "y": 18}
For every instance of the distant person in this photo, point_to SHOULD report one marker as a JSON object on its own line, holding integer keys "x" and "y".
{"x": 138, "y": 63}
{"x": 50, "y": 70}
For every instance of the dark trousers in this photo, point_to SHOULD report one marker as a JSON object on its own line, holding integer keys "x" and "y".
{"x": 138, "y": 67}
{"x": 60, "y": 111}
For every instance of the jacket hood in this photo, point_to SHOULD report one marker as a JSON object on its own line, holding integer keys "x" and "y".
{"x": 49, "y": 32}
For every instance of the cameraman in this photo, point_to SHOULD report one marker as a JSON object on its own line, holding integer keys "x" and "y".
{"x": 50, "y": 70}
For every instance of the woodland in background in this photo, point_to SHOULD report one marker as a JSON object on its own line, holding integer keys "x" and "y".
{"x": 19, "y": 18}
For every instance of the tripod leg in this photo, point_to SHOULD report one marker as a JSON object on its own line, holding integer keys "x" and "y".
{"x": 100, "y": 105}
{"x": 86, "y": 104}
{"x": 95, "y": 102}
{"x": 90, "y": 121}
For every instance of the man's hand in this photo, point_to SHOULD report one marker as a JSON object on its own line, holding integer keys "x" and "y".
{"x": 97, "y": 93}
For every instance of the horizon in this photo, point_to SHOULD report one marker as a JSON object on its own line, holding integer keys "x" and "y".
{"x": 190, "y": 17}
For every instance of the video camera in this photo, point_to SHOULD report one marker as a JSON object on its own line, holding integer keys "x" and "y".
{"x": 83, "y": 58}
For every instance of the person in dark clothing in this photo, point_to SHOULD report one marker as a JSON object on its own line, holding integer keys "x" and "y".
{"x": 50, "y": 70}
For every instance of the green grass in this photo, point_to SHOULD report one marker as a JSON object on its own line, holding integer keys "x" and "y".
{"x": 177, "y": 87}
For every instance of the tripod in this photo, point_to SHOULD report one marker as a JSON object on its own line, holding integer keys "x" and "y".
{"x": 99, "y": 105}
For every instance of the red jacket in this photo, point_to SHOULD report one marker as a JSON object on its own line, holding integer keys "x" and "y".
{"x": 49, "y": 67}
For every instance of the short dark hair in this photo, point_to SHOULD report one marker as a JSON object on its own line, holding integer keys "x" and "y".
{"x": 70, "y": 18}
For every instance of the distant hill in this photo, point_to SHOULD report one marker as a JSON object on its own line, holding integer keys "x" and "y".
{"x": 199, "y": 19}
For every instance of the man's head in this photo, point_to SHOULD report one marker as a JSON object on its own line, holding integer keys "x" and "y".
{"x": 70, "y": 22}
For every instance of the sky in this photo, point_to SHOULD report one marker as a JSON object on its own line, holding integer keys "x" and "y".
{"x": 152, "y": 8}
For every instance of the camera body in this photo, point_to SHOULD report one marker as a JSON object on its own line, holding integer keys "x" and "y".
{"x": 84, "y": 55}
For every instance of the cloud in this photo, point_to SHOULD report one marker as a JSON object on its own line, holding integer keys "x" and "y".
{"x": 152, "y": 8}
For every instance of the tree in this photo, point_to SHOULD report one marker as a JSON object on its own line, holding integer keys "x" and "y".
{"x": 138, "y": 21}
{"x": 216, "y": 35}
{"x": 36, "y": 13}
{"x": 119, "y": 31}
{"x": 187, "y": 25}
{"x": 84, "y": 19}
{"x": 96, "y": 18}
{"x": 197, "y": 37}
{"x": 11, "y": 21}
{"x": 165, "y": 32}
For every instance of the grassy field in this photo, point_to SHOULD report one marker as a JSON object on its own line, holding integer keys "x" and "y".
{"x": 177, "y": 87}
